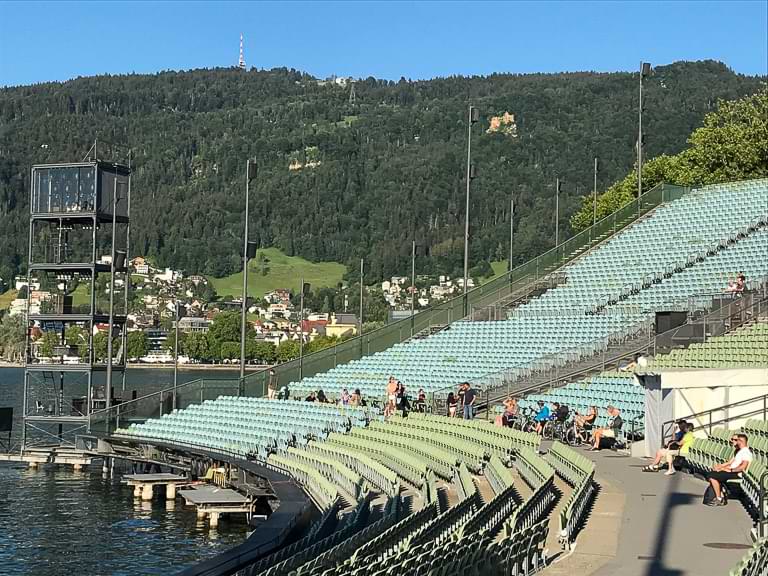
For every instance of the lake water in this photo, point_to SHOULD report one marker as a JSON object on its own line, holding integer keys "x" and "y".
{"x": 56, "y": 522}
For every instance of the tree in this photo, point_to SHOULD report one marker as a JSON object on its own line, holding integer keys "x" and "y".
{"x": 229, "y": 351}
{"x": 263, "y": 352}
{"x": 196, "y": 346}
{"x": 319, "y": 343}
{"x": 169, "y": 344}
{"x": 287, "y": 351}
{"x": 731, "y": 145}
{"x": 138, "y": 344}
{"x": 12, "y": 335}
{"x": 47, "y": 344}
{"x": 226, "y": 327}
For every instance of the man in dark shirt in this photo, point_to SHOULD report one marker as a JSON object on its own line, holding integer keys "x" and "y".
{"x": 561, "y": 412}
{"x": 470, "y": 395}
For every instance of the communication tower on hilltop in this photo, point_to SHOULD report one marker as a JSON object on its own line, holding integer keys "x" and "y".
{"x": 241, "y": 62}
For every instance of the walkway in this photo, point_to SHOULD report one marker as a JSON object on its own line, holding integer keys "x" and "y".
{"x": 664, "y": 530}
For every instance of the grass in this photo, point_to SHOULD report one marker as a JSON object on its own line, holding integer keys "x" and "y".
{"x": 6, "y": 298}
{"x": 284, "y": 272}
{"x": 499, "y": 268}
{"x": 81, "y": 296}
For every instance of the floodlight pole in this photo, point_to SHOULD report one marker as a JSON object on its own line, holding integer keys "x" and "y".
{"x": 360, "y": 320}
{"x": 645, "y": 69}
{"x": 301, "y": 331}
{"x": 594, "y": 203}
{"x": 511, "y": 234}
{"x": 473, "y": 117}
{"x": 413, "y": 282}
{"x": 175, "y": 350}
{"x": 557, "y": 214}
{"x": 249, "y": 174}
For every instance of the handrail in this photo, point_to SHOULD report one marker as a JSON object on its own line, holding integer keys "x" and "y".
{"x": 667, "y": 426}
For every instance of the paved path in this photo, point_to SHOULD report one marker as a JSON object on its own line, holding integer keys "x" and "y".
{"x": 665, "y": 529}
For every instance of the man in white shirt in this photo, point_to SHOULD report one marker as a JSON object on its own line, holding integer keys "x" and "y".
{"x": 731, "y": 469}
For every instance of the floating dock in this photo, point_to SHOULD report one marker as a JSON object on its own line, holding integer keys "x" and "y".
{"x": 78, "y": 459}
{"x": 144, "y": 484}
{"x": 213, "y": 501}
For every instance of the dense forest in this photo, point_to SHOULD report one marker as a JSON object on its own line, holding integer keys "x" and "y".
{"x": 342, "y": 178}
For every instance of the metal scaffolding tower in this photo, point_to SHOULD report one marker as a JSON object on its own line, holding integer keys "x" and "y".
{"x": 77, "y": 298}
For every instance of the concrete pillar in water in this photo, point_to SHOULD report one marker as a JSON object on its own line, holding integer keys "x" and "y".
{"x": 146, "y": 492}
{"x": 78, "y": 467}
{"x": 32, "y": 465}
{"x": 170, "y": 491}
{"x": 200, "y": 514}
{"x": 137, "y": 491}
{"x": 214, "y": 519}
{"x": 106, "y": 465}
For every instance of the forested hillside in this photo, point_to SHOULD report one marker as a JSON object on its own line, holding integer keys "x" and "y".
{"x": 340, "y": 180}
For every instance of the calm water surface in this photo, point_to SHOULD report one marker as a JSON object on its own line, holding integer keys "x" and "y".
{"x": 56, "y": 522}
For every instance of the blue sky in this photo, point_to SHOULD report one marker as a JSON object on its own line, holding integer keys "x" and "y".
{"x": 42, "y": 41}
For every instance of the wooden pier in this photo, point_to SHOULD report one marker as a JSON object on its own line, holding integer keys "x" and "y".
{"x": 144, "y": 484}
{"x": 213, "y": 501}
{"x": 78, "y": 459}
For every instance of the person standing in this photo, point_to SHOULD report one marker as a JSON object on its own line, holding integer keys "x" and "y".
{"x": 391, "y": 406}
{"x": 452, "y": 402}
{"x": 272, "y": 384}
{"x": 470, "y": 395}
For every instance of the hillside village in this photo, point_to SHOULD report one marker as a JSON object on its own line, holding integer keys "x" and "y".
{"x": 275, "y": 327}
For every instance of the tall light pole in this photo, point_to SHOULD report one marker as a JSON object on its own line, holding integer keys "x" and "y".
{"x": 645, "y": 70}
{"x": 594, "y": 203}
{"x": 474, "y": 116}
{"x": 511, "y": 234}
{"x": 250, "y": 174}
{"x": 304, "y": 288}
{"x": 175, "y": 350}
{"x": 360, "y": 319}
{"x": 413, "y": 281}
{"x": 558, "y": 187}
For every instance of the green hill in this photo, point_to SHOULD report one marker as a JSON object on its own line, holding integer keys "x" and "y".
{"x": 281, "y": 272}
{"x": 337, "y": 180}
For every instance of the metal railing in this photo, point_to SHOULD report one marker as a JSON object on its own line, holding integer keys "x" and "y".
{"x": 721, "y": 415}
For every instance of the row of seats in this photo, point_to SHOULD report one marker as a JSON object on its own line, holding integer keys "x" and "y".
{"x": 654, "y": 245}
{"x": 705, "y": 453}
{"x": 254, "y": 426}
{"x": 754, "y": 562}
{"x": 578, "y": 471}
{"x": 619, "y": 390}
{"x": 745, "y": 347}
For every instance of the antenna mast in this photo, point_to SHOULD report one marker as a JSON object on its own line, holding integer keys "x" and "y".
{"x": 241, "y": 62}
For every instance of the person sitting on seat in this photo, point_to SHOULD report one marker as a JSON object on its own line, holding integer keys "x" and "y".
{"x": 587, "y": 422}
{"x": 541, "y": 416}
{"x": 509, "y": 416}
{"x": 561, "y": 412}
{"x": 421, "y": 401}
{"x": 611, "y": 431}
{"x": 677, "y": 447}
{"x": 730, "y": 470}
